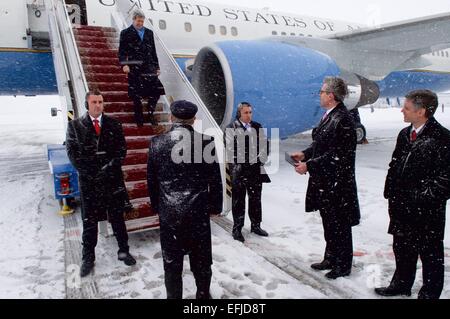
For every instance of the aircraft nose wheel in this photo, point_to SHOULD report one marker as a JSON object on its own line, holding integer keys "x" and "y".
{"x": 360, "y": 133}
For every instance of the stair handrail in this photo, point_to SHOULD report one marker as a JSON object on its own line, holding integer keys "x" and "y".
{"x": 59, "y": 61}
{"x": 73, "y": 60}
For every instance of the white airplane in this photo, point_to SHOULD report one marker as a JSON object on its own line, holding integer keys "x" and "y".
{"x": 278, "y": 60}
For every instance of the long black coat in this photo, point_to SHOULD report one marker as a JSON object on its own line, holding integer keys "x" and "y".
{"x": 98, "y": 161}
{"x": 184, "y": 193}
{"x": 245, "y": 154}
{"x": 331, "y": 166}
{"x": 418, "y": 182}
{"x": 142, "y": 79}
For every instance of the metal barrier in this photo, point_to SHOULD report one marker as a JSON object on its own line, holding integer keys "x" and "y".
{"x": 62, "y": 32}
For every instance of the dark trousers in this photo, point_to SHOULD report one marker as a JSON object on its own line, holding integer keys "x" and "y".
{"x": 338, "y": 237}
{"x": 138, "y": 108}
{"x": 173, "y": 270}
{"x": 253, "y": 191}
{"x": 407, "y": 250}
{"x": 90, "y": 234}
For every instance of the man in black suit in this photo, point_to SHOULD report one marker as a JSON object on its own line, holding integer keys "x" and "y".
{"x": 137, "y": 54}
{"x": 418, "y": 187}
{"x": 185, "y": 188}
{"x": 330, "y": 162}
{"x": 247, "y": 152}
{"x": 96, "y": 147}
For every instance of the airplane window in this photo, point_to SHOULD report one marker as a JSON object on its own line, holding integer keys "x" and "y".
{"x": 223, "y": 30}
{"x": 301, "y": 34}
{"x": 446, "y": 54}
{"x": 442, "y": 53}
{"x": 188, "y": 27}
{"x": 212, "y": 29}
{"x": 162, "y": 24}
{"x": 234, "y": 31}
{"x": 293, "y": 33}
{"x": 309, "y": 35}
{"x": 274, "y": 33}
{"x": 283, "y": 33}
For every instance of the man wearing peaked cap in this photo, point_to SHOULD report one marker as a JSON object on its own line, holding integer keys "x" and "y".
{"x": 183, "y": 109}
{"x": 184, "y": 194}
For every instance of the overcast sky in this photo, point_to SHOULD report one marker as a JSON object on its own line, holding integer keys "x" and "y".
{"x": 370, "y": 12}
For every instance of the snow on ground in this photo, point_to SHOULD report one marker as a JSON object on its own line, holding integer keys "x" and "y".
{"x": 31, "y": 233}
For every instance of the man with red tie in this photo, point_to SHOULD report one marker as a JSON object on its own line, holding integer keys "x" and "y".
{"x": 418, "y": 187}
{"x": 96, "y": 147}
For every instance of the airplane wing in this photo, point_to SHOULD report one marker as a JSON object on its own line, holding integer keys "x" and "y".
{"x": 422, "y": 35}
{"x": 376, "y": 52}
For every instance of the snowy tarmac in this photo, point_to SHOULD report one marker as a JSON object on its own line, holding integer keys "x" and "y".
{"x": 32, "y": 259}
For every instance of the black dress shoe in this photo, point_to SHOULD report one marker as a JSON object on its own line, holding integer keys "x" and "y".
{"x": 259, "y": 231}
{"x": 426, "y": 296}
{"x": 324, "y": 265}
{"x": 86, "y": 268}
{"x": 127, "y": 259}
{"x": 237, "y": 235}
{"x": 336, "y": 273}
{"x": 203, "y": 296}
{"x": 392, "y": 292}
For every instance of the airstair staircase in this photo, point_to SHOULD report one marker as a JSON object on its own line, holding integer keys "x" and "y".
{"x": 86, "y": 58}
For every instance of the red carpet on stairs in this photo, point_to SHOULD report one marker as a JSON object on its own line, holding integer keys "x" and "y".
{"x": 98, "y": 52}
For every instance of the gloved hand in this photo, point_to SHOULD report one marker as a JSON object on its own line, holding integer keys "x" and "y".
{"x": 215, "y": 213}
{"x": 108, "y": 168}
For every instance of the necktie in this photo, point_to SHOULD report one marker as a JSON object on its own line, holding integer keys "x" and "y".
{"x": 413, "y": 136}
{"x": 247, "y": 126}
{"x": 324, "y": 117}
{"x": 97, "y": 127}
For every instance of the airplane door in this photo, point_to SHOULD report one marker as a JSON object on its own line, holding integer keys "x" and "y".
{"x": 77, "y": 11}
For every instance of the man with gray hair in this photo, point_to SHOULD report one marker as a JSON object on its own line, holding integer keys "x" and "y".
{"x": 418, "y": 187}
{"x": 330, "y": 162}
{"x": 137, "y": 55}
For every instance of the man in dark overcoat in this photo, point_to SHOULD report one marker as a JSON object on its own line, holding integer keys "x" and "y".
{"x": 96, "y": 147}
{"x": 137, "y": 55}
{"x": 247, "y": 152}
{"x": 185, "y": 188}
{"x": 330, "y": 162}
{"x": 418, "y": 187}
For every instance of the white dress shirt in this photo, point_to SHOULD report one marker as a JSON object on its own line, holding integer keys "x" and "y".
{"x": 249, "y": 126}
{"x": 99, "y": 119}
{"x": 418, "y": 130}
{"x": 330, "y": 110}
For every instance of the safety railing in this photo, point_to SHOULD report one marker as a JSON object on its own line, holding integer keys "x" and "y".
{"x": 59, "y": 61}
{"x": 64, "y": 33}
